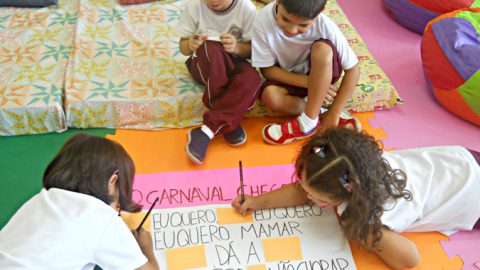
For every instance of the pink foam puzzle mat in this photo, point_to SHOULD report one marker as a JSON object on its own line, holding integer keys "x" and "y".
{"x": 464, "y": 244}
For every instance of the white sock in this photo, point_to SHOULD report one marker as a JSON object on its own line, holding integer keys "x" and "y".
{"x": 306, "y": 123}
{"x": 208, "y": 131}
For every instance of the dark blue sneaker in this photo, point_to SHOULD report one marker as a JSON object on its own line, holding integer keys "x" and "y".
{"x": 197, "y": 145}
{"x": 236, "y": 137}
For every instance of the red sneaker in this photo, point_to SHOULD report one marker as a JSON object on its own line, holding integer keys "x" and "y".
{"x": 349, "y": 121}
{"x": 285, "y": 133}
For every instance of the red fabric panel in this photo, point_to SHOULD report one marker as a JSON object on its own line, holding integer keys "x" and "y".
{"x": 442, "y": 6}
{"x": 453, "y": 101}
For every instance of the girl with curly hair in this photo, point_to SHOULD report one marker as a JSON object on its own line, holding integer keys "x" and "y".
{"x": 374, "y": 199}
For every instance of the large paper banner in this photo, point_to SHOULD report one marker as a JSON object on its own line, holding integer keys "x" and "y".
{"x": 216, "y": 237}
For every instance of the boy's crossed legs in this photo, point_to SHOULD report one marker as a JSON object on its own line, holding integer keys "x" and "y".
{"x": 325, "y": 68}
{"x": 231, "y": 88}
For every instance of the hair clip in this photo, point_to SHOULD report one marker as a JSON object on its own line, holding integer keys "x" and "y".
{"x": 319, "y": 151}
{"x": 344, "y": 182}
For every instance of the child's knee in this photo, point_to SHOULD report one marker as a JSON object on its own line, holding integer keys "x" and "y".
{"x": 209, "y": 48}
{"x": 249, "y": 72}
{"x": 272, "y": 97}
{"x": 321, "y": 51}
{"x": 213, "y": 46}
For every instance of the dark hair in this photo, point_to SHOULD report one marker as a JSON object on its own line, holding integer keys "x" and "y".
{"x": 85, "y": 163}
{"x": 372, "y": 179}
{"x": 308, "y": 9}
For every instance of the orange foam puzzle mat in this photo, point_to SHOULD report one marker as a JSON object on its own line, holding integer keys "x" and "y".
{"x": 164, "y": 151}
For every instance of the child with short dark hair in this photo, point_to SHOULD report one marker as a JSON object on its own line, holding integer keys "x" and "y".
{"x": 73, "y": 223}
{"x": 375, "y": 200}
{"x": 216, "y": 35}
{"x": 301, "y": 53}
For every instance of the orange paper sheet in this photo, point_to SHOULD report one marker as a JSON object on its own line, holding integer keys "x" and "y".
{"x": 186, "y": 258}
{"x": 282, "y": 249}
{"x": 230, "y": 216}
{"x": 257, "y": 267}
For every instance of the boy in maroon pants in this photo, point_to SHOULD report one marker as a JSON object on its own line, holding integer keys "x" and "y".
{"x": 216, "y": 34}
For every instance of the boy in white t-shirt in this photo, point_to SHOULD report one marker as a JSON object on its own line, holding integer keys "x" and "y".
{"x": 216, "y": 35}
{"x": 301, "y": 52}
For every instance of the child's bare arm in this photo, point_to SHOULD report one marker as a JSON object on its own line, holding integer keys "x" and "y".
{"x": 344, "y": 92}
{"x": 188, "y": 45}
{"x": 244, "y": 50}
{"x": 278, "y": 74}
{"x": 288, "y": 195}
{"x": 346, "y": 89}
{"x": 230, "y": 45}
{"x": 144, "y": 240}
{"x": 397, "y": 251}
{"x": 183, "y": 47}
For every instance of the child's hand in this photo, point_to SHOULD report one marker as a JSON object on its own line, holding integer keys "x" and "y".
{"x": 331, "y": 94}
{"x": 195, "y": 41}
{"x": 229, "y": 42}
{"x": 144, "y": 240}
{"x": 328, "y": 120}
{"x": 249, "y": 205}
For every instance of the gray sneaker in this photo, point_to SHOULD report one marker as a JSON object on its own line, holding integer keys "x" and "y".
{"x": 197, "y": 145}
{"x": 236, "y": 137}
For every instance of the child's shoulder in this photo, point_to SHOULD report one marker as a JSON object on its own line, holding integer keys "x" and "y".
{"x": 266, "y": 15}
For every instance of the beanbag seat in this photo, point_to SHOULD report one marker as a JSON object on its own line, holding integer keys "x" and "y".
{"x": 450, "y": 52}
{"x": 415, "y": 14}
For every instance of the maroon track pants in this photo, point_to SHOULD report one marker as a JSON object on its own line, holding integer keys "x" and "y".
{"x": 231, "y": 85}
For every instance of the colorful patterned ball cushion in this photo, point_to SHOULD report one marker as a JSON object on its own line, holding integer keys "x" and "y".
{"x": 415, "y": 14}
{"x": 451, "y": 61}
{"x": 28, "y": 3}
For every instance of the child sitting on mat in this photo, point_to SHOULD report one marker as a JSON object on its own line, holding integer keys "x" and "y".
{"x": 73, "y": 223}
{"x": 374, "y": 197}
{"x": 301, "y": 52}
{"x": 216, "y": 35}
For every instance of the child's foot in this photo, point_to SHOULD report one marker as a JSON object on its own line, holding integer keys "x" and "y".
{"x": 236, "y": 137}
{"x": 197, "y": 145}
{"x": 285, "y": 133}
{"x": 349, "y": 121}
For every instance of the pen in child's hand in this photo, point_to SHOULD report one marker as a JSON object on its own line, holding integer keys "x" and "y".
{"x": 242, "y": 193}
{"x": 146, "y": 215}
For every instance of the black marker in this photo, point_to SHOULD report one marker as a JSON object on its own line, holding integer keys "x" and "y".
{"x": 145, "y": 218}
{"x": 242, "y": 193}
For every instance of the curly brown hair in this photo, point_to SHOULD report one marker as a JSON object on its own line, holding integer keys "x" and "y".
{"x": 358, "y": 157}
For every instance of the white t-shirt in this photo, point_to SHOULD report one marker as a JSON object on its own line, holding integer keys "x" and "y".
{"x": 198, "y": 18}
{"x": 445, "y": 186}
{"x": 271, "y": 47}
{"x": 59, "y": 229}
